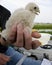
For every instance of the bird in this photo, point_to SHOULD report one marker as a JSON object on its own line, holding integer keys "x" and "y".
{"x": 25, "y": 16}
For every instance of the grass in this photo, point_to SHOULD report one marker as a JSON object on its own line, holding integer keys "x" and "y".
{"x": 46, "y": 32}
{"x": 43, "y": 26}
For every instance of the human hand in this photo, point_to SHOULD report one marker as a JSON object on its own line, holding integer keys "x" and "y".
{"x": 3, "y": 59}
{"x": 21, "y": 37}
{"x": 35, "y": 34}
{"x": 36, "y": 43}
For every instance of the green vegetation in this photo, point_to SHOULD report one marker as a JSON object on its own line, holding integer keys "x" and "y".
{"x": 43, "y": 26}
{"x": 45, "y": 32}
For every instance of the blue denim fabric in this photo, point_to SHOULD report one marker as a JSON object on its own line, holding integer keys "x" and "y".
{"x": 16, "y": 56}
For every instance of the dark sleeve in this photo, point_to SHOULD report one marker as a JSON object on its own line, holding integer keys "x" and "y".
{"x": 4, "y": 15}
{"x": 3, "y": 49}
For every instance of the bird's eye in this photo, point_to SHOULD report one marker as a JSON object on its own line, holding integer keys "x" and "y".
{"x": 34, "y": 7}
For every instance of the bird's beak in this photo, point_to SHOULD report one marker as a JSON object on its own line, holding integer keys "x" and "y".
{"x": 37, "y": 13}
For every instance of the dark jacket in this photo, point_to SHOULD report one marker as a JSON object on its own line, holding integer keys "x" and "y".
{"x": 4, "y": 15}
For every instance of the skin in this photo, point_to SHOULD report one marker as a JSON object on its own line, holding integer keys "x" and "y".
{"x": 3, "y": 59}
{"x": 16, "y": 36}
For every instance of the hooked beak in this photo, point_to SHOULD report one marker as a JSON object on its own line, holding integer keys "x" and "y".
{"x": 37, "y": 13}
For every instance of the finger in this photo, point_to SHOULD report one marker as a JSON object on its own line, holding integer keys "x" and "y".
{"x": 2, "y": 62}
{"x": 19, "y": 40}
{"x": 35, "y": 34}
{"x": 35, "y": 44}
{"x": 12, "y": 32}
{"x": 4, "y": 57}
{"x": 28, "y": 39}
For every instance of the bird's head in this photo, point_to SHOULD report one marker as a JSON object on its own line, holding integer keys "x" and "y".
{"x": 34, "y": 8}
